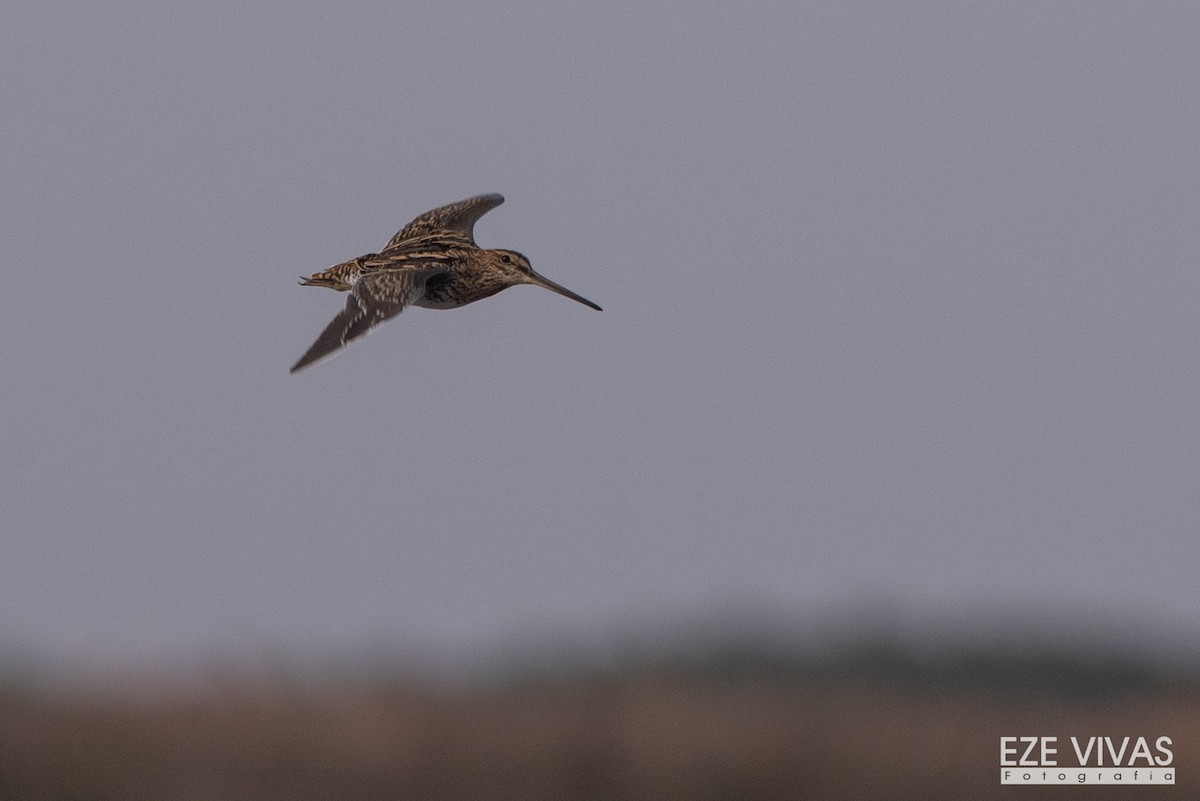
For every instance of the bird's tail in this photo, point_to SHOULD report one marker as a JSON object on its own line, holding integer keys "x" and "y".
{"x": 339, "y": 276}
{"x": 320, "y": 279}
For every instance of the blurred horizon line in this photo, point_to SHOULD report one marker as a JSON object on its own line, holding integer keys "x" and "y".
{"x": 1027, "y": 648}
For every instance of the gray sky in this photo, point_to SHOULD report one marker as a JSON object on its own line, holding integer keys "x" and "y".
{"x": 900, "y": 302}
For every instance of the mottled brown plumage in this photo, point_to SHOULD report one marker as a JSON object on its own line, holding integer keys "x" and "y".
{"x": 432, "y": 262}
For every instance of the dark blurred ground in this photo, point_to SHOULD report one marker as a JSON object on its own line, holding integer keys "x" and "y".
{"x": 726, "y": 723}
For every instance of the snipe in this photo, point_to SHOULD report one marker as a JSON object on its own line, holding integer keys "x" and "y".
{"x": 432, "y": 262}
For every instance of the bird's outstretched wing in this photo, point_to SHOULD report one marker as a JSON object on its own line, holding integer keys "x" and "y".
{"x": 453, "y": 224}
{"x": 374, "y": 298}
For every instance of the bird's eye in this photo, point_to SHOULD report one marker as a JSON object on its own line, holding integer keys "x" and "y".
{"x": 505, "y": 258}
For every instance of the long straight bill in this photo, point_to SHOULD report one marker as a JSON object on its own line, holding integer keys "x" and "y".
{"x": 562, "y": 290}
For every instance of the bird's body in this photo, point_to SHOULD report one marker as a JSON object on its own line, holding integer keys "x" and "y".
{"x": 432, "y": 262}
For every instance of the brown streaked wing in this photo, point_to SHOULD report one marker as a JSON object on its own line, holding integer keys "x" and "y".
{"x": 374, "y": 299}
{"x": 405, "y": 259}
{"x": 455, "y": 222}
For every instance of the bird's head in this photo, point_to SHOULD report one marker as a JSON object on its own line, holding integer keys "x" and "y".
{"x": 516, "y": 270}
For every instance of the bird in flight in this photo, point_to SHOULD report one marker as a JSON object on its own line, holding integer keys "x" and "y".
{"x": 432, "y": 262}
